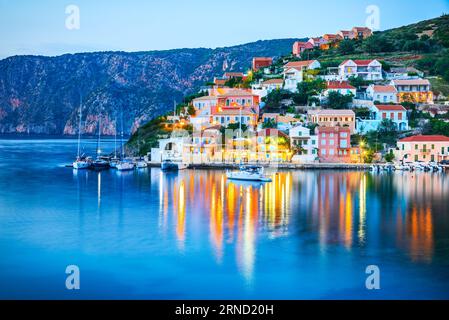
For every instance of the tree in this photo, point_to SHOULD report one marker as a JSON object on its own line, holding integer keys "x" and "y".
{"x": 274, "y": 98}
{"x": 389, "y": 157}
{"x": 269, "y": 123}
{"x": 388, "y": 132}
{"x": 336, "y": 100}
{"x": 346, "y": 47}
{"x": 307, "y": 89}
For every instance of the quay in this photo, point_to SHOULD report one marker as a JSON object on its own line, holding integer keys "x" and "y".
{"x": 282, "y": 166}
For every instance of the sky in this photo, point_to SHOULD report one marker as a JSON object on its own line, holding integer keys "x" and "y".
{"x": 51, "y": 27}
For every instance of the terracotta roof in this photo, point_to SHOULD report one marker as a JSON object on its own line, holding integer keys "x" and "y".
{"x": 340, "y": 112}
{"x": 273, "y": 81}
{"x": 234, "y": 112}
{"x": 271, "y": 132}
{"x": 359, "y": 62}
{"x": 235, "y": 92}
{"x": 362, "y": 29}
{"x": 234, "y": 74}
{"x": 333, "y": 129}
{"x": 411, "y": 82}
{"x": 390, "y": 89}
{"x": 339, "y": 85}
{"x": 205, "y": 98}
{"x": 390, "y": 107}
{"x": 299, "y": 64}
{"x": 421, "y": 138}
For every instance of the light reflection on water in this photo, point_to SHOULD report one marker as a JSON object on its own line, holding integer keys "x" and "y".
{"x": 193, "y": 234}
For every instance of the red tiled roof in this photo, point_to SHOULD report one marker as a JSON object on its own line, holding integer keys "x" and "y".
{"x": 339, "y": 85}
{"x": 359, "y": 62}
{"x": 422, "y": 138}
{"x": 390, "y": 107}
{"x": 411, "y": 82}
{"x": 390, "y": 89}
{"x": 299, "y": 64}
{"x": 333, "y": 129}
{"x": 273, "y": 81}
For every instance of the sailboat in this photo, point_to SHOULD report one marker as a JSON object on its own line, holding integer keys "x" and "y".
{"x": 114, "y": 161}
{"x": 81, "y": 161}
{"x": 123, "y": 164}
{"x": 99, "y": 163}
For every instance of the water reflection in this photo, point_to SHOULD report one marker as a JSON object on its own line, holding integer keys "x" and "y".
{"x": 348, "y": 209}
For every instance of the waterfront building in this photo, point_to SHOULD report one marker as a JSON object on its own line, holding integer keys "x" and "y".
{"x": 425, "y": 148}
{"x": 204, "y": 102}
{"x": 413, "y": 90}
{"x": 333, "y": 118}
{"x": 334, "y": 144}
{"x": 303, "y": 144}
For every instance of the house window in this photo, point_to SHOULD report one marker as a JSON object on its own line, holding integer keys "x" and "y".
{"x": 403, "y": 147}
{"x": 433, "y": 147}
{"x": 323, "y": 135}
{"x": 323, "y": 152}
{"x": 323, "y": 142}
{"x": 384, "y": 115}
{"x": 331, "y": 142}
{"x": 344, "y": 134}
{"x": 331, "y": 152}
{"x": 400, "y": 116}
{"x": 416, "y": 147}
{"x": 416, "y": 157}
{"x": 343, "y": 144}
{"x": 392, "y": 116}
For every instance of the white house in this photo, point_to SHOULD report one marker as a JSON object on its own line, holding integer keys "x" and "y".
{"x": 342, "y": 87}
{"x": 383, "y": 94}
{"x": 366, "y": 69}
{"x": 396, "y": 113}
{"x": 262, "y": 89}
{"x": 305, "y": 144}
{"x": 204, "y": 102}
{"x": 294, "y": 73}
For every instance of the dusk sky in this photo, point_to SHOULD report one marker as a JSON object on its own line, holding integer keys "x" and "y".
{"x": 39, "y": 27}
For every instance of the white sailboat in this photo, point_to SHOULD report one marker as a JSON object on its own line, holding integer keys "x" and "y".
{"x": 81, "y": 162}
{"x": 123, "y": 164}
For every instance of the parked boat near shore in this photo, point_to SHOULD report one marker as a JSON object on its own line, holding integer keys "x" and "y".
{"x": 248, "y": 173}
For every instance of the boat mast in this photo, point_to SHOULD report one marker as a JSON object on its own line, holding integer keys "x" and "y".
{"x": 115, "y": 140}
{"x": 79, "y": 127}
{"x": 99, "y": 135}
{"x": 121, "y": 136}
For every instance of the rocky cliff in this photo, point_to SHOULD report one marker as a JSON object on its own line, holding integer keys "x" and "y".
{"x": 41, "y": 95}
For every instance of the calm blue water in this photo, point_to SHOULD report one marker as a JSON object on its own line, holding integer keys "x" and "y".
{"x": 307, "y": 235}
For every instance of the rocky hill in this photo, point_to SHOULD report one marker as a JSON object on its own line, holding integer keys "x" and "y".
{"x": 41, "y": 95}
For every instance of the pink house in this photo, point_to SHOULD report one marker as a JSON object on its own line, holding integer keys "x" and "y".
{"x": 431, "y": 148}
{"x": 299, "y": 47}
{"x": 334, "y": 144}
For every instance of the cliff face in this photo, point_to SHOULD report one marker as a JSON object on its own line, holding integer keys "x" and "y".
{"x": 41, "y": 95}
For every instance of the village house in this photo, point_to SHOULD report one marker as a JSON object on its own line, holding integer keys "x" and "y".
{"x": 395, "y": 113}
{"x": 294, "y": 73}
{"x": 261, "y": 62}
{"x": 366, "y": 69}
{"x": 263, "y": 88}
{"x": 334, "y": 144}
{"x": 224, "y": 116}
{"x": 403, "y": 73}
{"x": 317, "y": 42}
{"x": 272, "y": 146}
{"x": 303, "y": 144}
{"x": 331, "y": 41}
{"x": 425, "y": 148}
{"x": 342, "y": 87}
{"x": 333, "y": 118}
{"x": 233, "y": 75}
{"x": 204, "y": 102}
{"x": 362, "y": 32}
{"x": 346, "y": 35}
{"x": 413, "y": 90}
{"x": 383, "y": 94}
{"x": 299, "y": 47}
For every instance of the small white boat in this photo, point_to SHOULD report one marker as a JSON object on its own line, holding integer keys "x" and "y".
{"x": 141, "y": 164}
{"x": 81, "y": 163}
{"x": 248, "y": 173}
{"x": 125, "y": 166}
{"x": 169, "y": 165}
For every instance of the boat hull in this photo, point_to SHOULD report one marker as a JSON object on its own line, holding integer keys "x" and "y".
{"x": 80, "y": 165}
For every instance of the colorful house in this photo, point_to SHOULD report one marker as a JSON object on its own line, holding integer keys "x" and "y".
{"x": 425, "y": 148}
{"x": 317, "y": 42}
{"x": 413, "y": 90}
{"x": 261, "y": 62}
{"x": 334, "y": 144}
{"x": 346, "y": 35}
{"x": 333, "y": 118}
{"x": 362, "y": 32}
{"x": 366, "y": 69}
{"x": 299, "y": 47}
{"x": 395, "y": 113}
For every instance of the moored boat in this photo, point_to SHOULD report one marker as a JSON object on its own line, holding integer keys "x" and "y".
{"x": 248, "y": 173}
{"x": 125, "y": 165}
